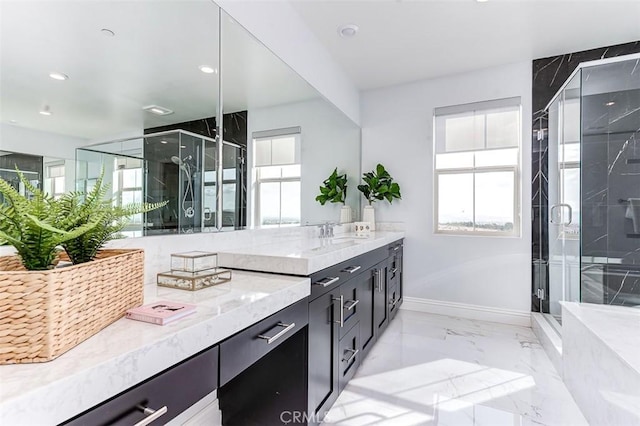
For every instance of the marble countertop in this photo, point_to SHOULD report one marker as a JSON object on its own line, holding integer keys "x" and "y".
{"x": 617, "y": 326}
{"x": 304, "y": 256}
{"x": 128, "y": 352}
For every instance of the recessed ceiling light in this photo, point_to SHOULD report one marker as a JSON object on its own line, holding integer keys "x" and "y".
{"x": 46, "y": 110}
{"x": 164, "y": 142}
{"x": 348, "y": 30}
{"x": 107, "y": 32}
{"x": 13, "y": 121}
{"x": 482, "y": 1}
{"x": 183, "y": 146}
{"x": 157, "y": 110}
{"x": 58, "y": 76}
{"x": 610, "y": 103}
{"x": 207, "y": 69}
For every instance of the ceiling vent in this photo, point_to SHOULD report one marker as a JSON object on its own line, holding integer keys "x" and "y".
{"x": 157, "y": 110}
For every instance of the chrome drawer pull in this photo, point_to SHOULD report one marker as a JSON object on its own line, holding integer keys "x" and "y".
{"x": 341, "y": 299}
{"x": 326, "y": 282}
{"x": 152, "y": 415}
{"x": 396, "y": 248}
{"x": 351, "y": 269}
{"x": 354, "y": 352}
{"x": 394, "y": 270}
{"x": 351, "y": 303}
{"x": 271, "y": 339}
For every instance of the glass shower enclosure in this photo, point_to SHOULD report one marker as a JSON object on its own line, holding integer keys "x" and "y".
{"x": 594, "y": 186}
{"x": 175, "y": 166}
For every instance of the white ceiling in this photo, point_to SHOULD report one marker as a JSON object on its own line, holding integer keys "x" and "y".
{"x": 402, "y": 41}
{"x": 153, "y": 59}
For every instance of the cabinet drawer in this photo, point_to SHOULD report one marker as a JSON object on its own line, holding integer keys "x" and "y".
{"x": 242, "y": 350}
{"x": 396, "y": 247}
{"x": 348, "y": 305}
{"x": 394, "y": 300}
{"x": 395, "y": 267}
{"x": 177, "y": 389}
{"x": 334, "y": 276}
{"x": 348, "y": 356}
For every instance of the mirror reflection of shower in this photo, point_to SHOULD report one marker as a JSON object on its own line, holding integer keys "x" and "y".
{"x": 178, "y": 166}
{"x": 185, "y": 166}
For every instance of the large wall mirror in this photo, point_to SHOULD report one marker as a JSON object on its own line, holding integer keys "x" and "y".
{"x": 133, "y": 90}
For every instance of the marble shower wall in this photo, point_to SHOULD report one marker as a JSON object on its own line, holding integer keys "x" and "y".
{"x": 548, "y": 76}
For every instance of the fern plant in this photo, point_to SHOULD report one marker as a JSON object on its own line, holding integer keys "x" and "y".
{"x": 112, "y": 220}
{"x": 333, "y": 189}
{"x": 36, "y": 226}
{"x": 379, "y": 185}
{"x": 79, "y": 222}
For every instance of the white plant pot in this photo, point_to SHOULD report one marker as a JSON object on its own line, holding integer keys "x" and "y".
{"x": 345, "y": 214}
{"x": 369, "y": 215}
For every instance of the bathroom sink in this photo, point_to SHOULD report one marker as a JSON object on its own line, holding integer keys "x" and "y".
{"x": 329, "y": 245}
{"x": 350, "y": 237}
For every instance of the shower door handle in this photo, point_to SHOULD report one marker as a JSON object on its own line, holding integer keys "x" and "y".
{"x": 551, "y": 214}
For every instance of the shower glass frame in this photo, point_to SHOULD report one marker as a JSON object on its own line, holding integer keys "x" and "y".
{"x": 195, "y": 154}
{"x": 606, "y": 92}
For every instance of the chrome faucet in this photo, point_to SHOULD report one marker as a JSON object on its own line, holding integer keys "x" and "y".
{"x": 326, "y": 230}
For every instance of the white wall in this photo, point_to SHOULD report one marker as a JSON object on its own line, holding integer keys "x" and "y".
{"x": 328, "y": 140}
{"x": 279, "y": 27}
{"x": 397, "y": 128}
{"x": 35, "y": 142}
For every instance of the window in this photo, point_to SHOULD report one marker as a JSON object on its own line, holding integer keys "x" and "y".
{"x": 278, "y": 173}
{"x": 477, "y": 168}
{"x": 54, "y": 180}
{"x": 127, "y": 185}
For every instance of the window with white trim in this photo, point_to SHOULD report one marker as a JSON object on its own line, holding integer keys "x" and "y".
{"x": 477, "y": 159}
{"x": 127, "y": 186}
{"x": 277, "y": 169}
{"x": 54, "y": 179}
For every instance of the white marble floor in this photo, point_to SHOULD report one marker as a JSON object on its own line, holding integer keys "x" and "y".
{"x": 436, "y": 370}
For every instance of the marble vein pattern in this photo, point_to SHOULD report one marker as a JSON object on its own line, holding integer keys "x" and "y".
{"x": 603, "y": 341}
{"x": 435, "y": 370}
{"x": 548, "y": 75}
{"x": 305, "y": 256}
{"x": 128, "y": 352}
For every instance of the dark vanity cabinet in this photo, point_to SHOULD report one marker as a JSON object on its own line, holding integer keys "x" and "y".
{"x": 349, "y": 308}
{"x": 263, "y": 369}
{"x": 374, "y": 316}
{"x": 380, "y": 312}
{"x": 394, "y": 281}
{"x": 160, "y": 398}
{"x": 324, "y": 330}
{"x": 296, "y": 361}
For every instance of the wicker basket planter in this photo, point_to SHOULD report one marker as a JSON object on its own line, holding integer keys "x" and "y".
{"x": 45, "y": 313}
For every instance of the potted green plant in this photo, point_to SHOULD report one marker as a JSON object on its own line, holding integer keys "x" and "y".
{"x": 112, "y": 219}
{"x": 378, "y": 186}
{"x": 334, "y": 190}
{"x": 53, "y": 308}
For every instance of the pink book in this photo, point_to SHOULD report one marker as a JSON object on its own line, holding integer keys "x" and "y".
{"x": 161, "y": 313}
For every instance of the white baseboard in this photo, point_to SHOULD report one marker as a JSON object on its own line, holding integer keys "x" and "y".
{"x": 463, "y": 310}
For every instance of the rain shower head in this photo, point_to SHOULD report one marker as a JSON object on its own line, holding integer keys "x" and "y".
{"x": 180, "y": 161}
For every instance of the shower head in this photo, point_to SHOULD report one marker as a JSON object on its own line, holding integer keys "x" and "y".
{"x": 183, "y": 163}
{"x": 180, "y": 161}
